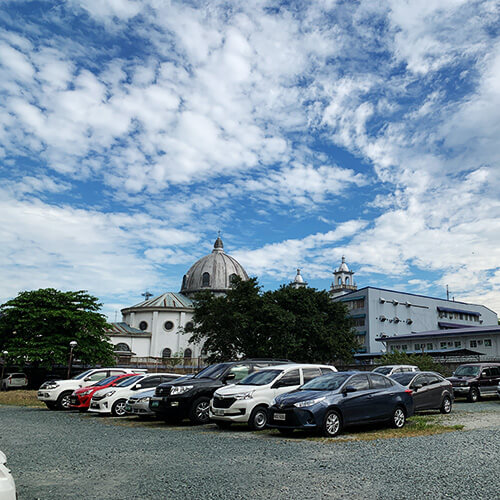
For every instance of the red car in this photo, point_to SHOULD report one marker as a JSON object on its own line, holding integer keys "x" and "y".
{"x": 80, "y": 399}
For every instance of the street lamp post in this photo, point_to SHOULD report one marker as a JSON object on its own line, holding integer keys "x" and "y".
{"x": 4, "y": 361}
{"x": 72, "y": 345}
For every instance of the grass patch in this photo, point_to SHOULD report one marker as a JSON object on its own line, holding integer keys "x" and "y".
{"x": 20, "y": 397}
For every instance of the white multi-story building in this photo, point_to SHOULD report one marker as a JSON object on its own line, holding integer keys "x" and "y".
{"x": 155, "y": 327}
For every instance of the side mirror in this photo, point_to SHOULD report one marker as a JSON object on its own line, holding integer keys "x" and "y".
{"x": 349, "y": 388}
{"x": 86, "y": 379}
{"x": 230, "y": 376}
{"x": 416, "y": 387}
{"x": 484, "y": 375}
{"x": 137, "y": 387}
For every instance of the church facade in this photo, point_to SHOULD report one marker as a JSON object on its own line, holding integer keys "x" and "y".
{"x": 155, "y": 327}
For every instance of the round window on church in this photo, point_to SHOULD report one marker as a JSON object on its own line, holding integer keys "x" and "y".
{"x": 143, "y": 325}
{"x": 168, "y": 325}
{"x": 189, "y": 326}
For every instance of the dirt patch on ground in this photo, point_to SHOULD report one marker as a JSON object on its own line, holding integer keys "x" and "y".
{"x": 20, "y": 397}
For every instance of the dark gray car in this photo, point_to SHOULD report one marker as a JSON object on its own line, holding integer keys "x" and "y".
{"x": 430, "y": 390}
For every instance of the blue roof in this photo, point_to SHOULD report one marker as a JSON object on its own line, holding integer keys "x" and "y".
{"x": 478, "y": 330}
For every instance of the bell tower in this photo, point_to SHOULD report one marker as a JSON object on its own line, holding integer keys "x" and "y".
{"x": 343, "y": 281}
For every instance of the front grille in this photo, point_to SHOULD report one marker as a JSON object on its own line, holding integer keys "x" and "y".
{"x": 74, "y": 400}
{"x": 163, "y": 391}
{"x": 223, "y": 402}
{"x": 132, "y": 400}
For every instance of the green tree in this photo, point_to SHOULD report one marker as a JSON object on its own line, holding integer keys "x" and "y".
{"x": 424, "y": 361}
{"x": 303, "y": 325}
{"x": 38, "y": 326}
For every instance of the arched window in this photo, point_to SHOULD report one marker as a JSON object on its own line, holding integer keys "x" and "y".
{"x": 166, "y": 353}
{"x": 122, "y": 347}
{"x": 205, "y": 279}
{"x": 184, "y": 280}
{"x": 347, "y": 281}
{"x": 340, "y": 280}
{"x": 188, "y": 353}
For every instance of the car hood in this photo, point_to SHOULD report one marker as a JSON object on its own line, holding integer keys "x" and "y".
{"x": 144, "y": 393}
{"x": 461, "y": 377}
{"x": 294, "y": 397}
{"x": 228, "y": 390}
{"x": 69, "y": 383}
{"x": 197, "y": 382}
{"x": 101, "y": 392}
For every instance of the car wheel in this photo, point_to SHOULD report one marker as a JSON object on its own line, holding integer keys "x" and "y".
{"x": 473, "y": 395}
{"x": 398, "y": 418}
{"x": 118, "y": 408}
{"x": 332, "y": 423}
{"x": 51, "y": 405}
{"x": 258, "y": 419}
{"x": 199, "y": 411}
{"x": 222, "y": 424}
{"x": 286, "y": 432}
{"x": 63, "y": 401}
{"x": 446, "y": 405}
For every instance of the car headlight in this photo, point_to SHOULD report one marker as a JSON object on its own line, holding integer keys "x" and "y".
{"x": 244, "y": 395}
{"x": 144, "y": 400}
{"x": 109, "y": 393}
{"x": 84, "y": 393}
{"x": 309, "y": 402}
{"x": 180, "y": 389}
{"x": 50, "y": 385}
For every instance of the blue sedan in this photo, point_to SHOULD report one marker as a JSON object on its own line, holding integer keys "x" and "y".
{"x": 332, "y": 402}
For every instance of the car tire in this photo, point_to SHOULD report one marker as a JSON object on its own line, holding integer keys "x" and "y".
{"x": 118, "y": 408}
{"x": 398, "y": 418}
{"x": 51, "y": 405}
{"x": 473, "y": 395}
{"x": 332, "y": 424}
{"x": 285, "y": 432}
{"x": 222, "y": 424}
{"x": 445, "y": 405}
{"x": 63, "y": 401}
{"x": 258, "y": 418}
{"x": 199, "y": 412}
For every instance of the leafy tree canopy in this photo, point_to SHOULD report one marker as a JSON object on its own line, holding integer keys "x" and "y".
{"x": 38, "y": 326}
{"x": 302, "y": 325}
{"x": 424, "y": 361}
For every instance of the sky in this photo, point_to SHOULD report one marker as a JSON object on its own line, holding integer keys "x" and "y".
{"x": 132, "y": 131}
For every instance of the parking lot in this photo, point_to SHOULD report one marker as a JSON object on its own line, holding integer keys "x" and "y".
{"x": 56, "y": 455}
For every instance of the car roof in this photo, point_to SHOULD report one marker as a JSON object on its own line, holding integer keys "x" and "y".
{"x": 291, "y": 366}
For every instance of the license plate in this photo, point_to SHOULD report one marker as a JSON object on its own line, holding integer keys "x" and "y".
{"x": 154, "y": 404}
{"x": 279, "y": 416}
{"x": 218, "y": 412}
{"x": 40, "y": 394}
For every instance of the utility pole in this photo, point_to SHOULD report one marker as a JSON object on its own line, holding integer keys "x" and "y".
{"x": 447, "y": 293}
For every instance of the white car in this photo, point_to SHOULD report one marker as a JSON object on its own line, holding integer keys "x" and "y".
{"x": 56, "y": 393}
{"x": 7, "y": 484}
{"x": 390, "y": 369}
{"x": 248, "y": 400}
{"x": 13, "y": 381}
{"x": 113, "y": 400}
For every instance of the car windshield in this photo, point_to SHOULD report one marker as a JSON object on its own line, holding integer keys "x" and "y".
{"x": 467, "y": 370}
{"x": 213, "y": 371}
{"x": 384, "y": 370}
{"x": 105, "y": 381}
{"x": 129, "y": 381}
{"x": 325, "y": 382}
{"x": 82, "y": 375}
{"x": 403, "y": 378}
{"x": 263, "y": 377}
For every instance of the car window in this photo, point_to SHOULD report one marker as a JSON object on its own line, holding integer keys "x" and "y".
{"x": 379, "y": 382}
{"x": 147, "y": 383}
{"x": 495, "y": 372}
{"x": 290, "y": 378}
{"x": 486, "y": 373}
{"x": 116, "y": 372}
{"x": 97, "y": 376}
{"x": 240, "y": 372}
{"x": 168, "y": 378}
{"x": 310, "y": 373}
{"x": 326, "y": 371}
{"x": 420, "y": 380}
{"x": 433, "y": 379}
{"x": 359, "y": 382}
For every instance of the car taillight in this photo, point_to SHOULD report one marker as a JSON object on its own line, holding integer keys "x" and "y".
{"x": 408, "y": 391}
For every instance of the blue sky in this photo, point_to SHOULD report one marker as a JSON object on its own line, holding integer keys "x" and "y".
{"x": 131, "y": 131}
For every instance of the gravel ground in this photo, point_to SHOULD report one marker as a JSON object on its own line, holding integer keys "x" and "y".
{"x": 56, "y": 455}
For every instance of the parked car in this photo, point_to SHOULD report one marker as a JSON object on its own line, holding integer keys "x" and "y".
{"x": 13, "y": 381}
{"x": 474, "y": 380}
{"x": 80, "y": 399}
{"x": 113, "y": 399}
{"x": 331, "y": 402}
{"x": 138, "y": 404}
{"x": 390, "y": 369}
{"x": 430, "y": 390}
{"x": 7, "y": 484}
{"x": 191, "y": 398}
{"x": 248, "y": 400}
{"x": 56, "y": 393}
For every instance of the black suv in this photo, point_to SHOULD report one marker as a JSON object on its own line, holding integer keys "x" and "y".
{"x": 476, "y": 379}
{"x": 190, "y": 398}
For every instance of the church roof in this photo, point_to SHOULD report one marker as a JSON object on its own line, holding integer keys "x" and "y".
{"x": 213, "y": 272}
{"x": 343, "y": 267}
{"x": 125, "y": 329}
{"x": 168, "y": 300}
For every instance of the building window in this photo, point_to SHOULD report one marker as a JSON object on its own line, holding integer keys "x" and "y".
{"x": 442, "y": 345}
{"x": 429, "y": 347}
{"x": 184, "y": 281}
{"x": 205, "y": 279}
{"x": 232, "y": 279}
{"x": 487, "y": 342}
{"x": 355, "y": 304}
{"x": 473, "y": 343}
{"x": 347, "y": 281}
{"x": 189, "y": 326}
{"x": 418, "y": 347}
{"x": 122, "y": 347}
{"x": 458, "y": 344}
{"x": 479, "y": 342}
{"x": 340, "y": 281}
{"x": 143, "y": 325}
{"x": 404, "y": 347}
{"x": 168, "y": 325}
{"x": 358, "y": 321}
{"x": 188, "y": 353}
{"x": 166, "y": 353}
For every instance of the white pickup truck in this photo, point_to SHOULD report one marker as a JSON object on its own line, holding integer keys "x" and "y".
{"x": 56, "y": 393}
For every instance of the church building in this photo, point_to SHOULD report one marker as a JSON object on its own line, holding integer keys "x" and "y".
{"x": 155, "y": 327}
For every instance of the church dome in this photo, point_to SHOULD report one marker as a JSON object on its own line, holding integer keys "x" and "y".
{"x": 343, "y": 266}
{"x": 214, "y": 272}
